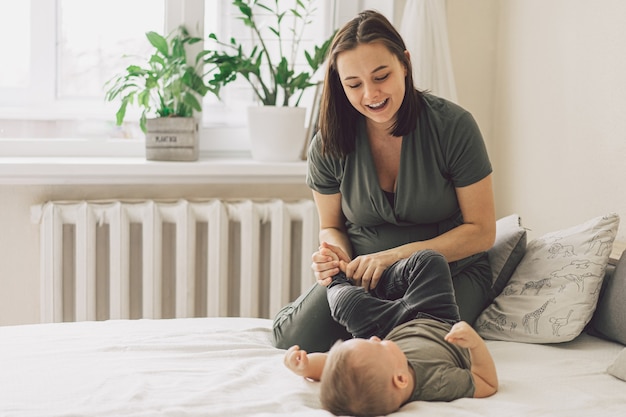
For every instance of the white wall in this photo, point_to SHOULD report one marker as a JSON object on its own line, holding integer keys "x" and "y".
{"x": 472, "y": 27}
{"x": 546, "y": 81}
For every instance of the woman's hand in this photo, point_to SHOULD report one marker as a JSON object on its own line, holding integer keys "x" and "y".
{"x": 327, "y": 262}
{"x": 366, "y": 270}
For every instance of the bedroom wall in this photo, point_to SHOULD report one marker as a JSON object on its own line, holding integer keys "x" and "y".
{"x": 545, "y": 80}
{"x": 559, "y": 109}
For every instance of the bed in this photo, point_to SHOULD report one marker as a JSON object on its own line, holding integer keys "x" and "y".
{"x": 228, "y": 367}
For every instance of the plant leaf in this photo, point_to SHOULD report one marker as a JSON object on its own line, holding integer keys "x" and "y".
{"x": 158, "y": 41}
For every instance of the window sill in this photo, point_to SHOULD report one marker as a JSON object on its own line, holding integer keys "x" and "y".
{"x": 137, "y": 170}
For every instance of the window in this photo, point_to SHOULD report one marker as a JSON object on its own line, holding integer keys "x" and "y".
{"x": 93, "y": 38}
{"x": 67, "y": 50}
{"x": 63, "y": 51}
{"x": 17, "y": 74}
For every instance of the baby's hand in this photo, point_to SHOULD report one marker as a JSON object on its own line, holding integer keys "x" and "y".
{"x": 462, "y": 334}
{"x": 297, "y": 360}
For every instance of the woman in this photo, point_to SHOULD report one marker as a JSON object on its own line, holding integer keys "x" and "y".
{"x": 393, "y": 171}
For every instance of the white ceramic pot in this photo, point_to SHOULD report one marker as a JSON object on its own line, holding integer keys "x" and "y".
{"x": 276, "y": 133}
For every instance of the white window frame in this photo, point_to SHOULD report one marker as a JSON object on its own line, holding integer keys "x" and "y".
{"x": 225, "y": 139}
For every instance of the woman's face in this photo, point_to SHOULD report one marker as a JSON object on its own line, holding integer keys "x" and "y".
{"x": 374, "y": 81}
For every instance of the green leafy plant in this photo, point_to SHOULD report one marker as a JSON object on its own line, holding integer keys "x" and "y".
{"x": 167, "y": 85}
{"x": 273, "y": 78}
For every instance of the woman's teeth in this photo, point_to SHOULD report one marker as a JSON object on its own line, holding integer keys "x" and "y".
{"x": 377, "y": 105}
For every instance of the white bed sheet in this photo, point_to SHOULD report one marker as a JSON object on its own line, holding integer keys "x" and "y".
{"x": 227, "y": 367}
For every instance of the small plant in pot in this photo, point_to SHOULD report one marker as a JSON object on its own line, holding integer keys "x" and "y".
{"x": 168, "y": 89}
{"x": 271, "y": 73}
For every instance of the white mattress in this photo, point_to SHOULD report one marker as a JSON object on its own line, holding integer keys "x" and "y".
{"x": 227, "y": 367}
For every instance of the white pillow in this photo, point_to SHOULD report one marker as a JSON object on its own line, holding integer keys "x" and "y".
{"x": 618, "y": 367}
{"x": 553, "y": 292}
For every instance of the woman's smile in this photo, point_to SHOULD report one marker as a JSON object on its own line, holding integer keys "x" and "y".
{"x": 378, "y": 106}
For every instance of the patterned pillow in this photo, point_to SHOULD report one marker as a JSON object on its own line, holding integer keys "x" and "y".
{"x": 554, "y": 290}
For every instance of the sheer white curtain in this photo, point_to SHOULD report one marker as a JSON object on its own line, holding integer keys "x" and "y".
{"x": 425, "y": 31}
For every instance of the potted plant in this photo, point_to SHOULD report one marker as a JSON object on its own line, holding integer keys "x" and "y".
{"x": 275, "y": 81}
{"x": 170, "y": 89}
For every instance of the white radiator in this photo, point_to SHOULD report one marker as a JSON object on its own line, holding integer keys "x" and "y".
{"x": 149, "y": 259}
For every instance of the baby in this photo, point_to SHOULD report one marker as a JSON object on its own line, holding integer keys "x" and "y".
{"x": 425, "y": 353}
{"x": 423, "y": 359}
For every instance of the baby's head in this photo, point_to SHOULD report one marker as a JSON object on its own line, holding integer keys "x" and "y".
{"x": 365, "y": 378}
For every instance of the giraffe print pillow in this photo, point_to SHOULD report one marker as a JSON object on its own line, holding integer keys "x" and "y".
{"x": 554, "y": 290}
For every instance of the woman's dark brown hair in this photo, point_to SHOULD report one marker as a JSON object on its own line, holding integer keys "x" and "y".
{"x": 338, "y": 118}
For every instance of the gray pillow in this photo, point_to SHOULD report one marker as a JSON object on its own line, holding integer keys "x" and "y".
{"x": 507, "y": 251}
{"x": 609, "y": 319}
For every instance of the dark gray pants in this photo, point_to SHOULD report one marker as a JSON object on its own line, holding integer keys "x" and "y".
{"x": 308, "y": 321}
{"x": 419, "y": 286}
